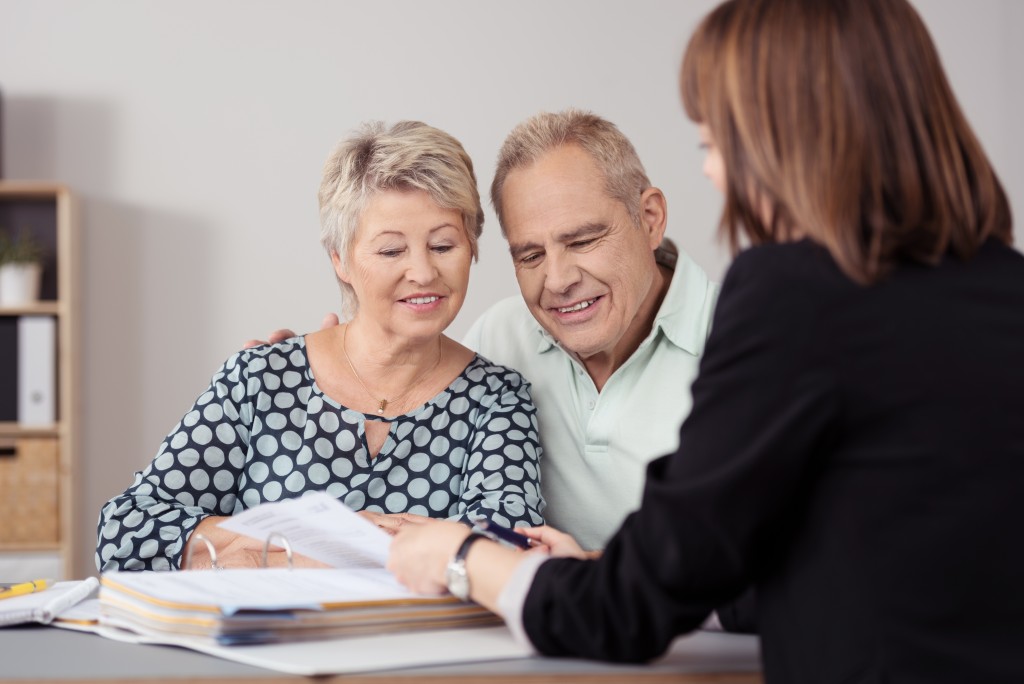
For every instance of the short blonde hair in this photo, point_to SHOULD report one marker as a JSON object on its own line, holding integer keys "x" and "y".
{"x": 624, "y": 176}
{"x": 410, "y": 155}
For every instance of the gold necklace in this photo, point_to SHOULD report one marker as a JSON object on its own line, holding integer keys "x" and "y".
{"x": 383, "y": 403}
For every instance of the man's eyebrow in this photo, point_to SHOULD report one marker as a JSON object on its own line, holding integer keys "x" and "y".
{"x": 585, "y": 231}
{"x": 518, "y": 250}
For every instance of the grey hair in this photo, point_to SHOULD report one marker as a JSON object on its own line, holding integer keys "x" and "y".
{"x": 410, "y": 155}
{"x": 624, "y": 176}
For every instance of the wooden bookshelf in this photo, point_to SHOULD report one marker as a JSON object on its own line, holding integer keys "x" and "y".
{"x": 38, "y": 462}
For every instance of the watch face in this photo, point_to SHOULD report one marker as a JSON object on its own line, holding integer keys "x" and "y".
{"x": 457, "y": 580}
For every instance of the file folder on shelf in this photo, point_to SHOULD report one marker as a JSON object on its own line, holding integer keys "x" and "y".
{"x": 37, "y": 358}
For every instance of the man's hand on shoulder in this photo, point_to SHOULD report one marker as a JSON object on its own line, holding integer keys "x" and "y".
{"x": 282, "y": 334}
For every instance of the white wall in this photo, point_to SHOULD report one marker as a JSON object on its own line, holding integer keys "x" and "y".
{"x": 193, "y": 133}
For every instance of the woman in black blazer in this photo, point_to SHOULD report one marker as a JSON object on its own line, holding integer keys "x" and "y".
{"x": 856, "y": 445}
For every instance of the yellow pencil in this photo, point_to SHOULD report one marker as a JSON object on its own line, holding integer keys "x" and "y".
{"x": 13, "y": 590}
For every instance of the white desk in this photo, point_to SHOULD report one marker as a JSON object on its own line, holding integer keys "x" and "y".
{"x": 47, "y": 654}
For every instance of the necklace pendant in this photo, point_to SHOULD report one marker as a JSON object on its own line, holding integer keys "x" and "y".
{"x": 383, "y": 405}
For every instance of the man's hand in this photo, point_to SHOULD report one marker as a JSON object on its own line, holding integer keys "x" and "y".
{"x": 282, "y": 334}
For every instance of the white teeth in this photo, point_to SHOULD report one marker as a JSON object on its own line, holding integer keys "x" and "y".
{"x": 577, "y": 307}
{"x": 421, "y": 300}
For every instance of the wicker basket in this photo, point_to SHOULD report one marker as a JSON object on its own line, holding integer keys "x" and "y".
{"x": 29, "y": 512}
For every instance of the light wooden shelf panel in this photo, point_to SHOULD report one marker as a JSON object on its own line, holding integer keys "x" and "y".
{"x": 31, "y": 189}
{"x": 29, "y": 546}
{"x": 37, "y": 309}
{"x": 12, "y": 429}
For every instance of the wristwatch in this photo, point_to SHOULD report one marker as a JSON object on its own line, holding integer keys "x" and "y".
{"x": 455, "y": 575}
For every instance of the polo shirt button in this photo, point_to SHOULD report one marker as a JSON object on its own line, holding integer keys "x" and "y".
{"x": 590, "y": 405}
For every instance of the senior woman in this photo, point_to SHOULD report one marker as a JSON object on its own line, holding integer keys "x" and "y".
{"x": 385, "y": 413}
{"x": 855, "y": 448}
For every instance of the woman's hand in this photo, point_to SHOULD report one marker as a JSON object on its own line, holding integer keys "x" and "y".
{"x": 392, "y": 522}
{"x": 420, "y": 554}
{"x": 236, "y": 551}
{"x": 558, "y": 544}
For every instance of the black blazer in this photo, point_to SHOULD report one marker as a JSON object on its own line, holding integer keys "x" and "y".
{"x": 857, "y": 453}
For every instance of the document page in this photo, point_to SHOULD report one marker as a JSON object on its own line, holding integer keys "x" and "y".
{"x": 318, "y": 526}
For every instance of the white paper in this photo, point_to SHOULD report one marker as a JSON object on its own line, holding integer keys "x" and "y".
{"x": 318, "y": 526}
{"x": 346, "y": 655}
{"x": 699, "y": 652}
{"x": 44, "y": 606}
{"x": 260, "y": 589}
{"x": 84, "y": 612}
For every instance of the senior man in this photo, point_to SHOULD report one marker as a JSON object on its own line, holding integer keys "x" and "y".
{"x": 609, "y": 328}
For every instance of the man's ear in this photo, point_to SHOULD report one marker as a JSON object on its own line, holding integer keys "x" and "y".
{"x": 653, "y": 215}
{"x": 339, "y": 270}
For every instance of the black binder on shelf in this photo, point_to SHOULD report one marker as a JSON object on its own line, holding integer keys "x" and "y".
{"x": 8, "y": 369}
{"x": 28, "y": 384}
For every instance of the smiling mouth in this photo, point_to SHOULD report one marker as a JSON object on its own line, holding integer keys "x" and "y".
{"x": 421, "y": 300}
{"x": 578, "y": 306}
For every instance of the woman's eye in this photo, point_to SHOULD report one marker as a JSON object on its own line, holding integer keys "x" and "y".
{"x": 390, "y": 253}
{"x": 442, "y": 249}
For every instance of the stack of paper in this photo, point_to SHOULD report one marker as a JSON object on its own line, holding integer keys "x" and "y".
{"x": 247, "y": 606}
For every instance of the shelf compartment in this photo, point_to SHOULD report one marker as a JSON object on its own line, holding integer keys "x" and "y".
{"x": 30, "y": 490}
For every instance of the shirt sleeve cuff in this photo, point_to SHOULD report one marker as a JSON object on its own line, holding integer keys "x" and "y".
{"x": 713, "y": 624}
{"x": 513, "y": 596}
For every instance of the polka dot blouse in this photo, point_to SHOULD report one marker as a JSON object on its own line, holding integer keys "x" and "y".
{"x": 264, "y": 431}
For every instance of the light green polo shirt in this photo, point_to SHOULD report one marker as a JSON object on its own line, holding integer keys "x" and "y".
{"x": 597, "y": 444}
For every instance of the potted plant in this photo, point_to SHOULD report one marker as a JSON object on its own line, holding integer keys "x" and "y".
{"x": 21, "y": 268}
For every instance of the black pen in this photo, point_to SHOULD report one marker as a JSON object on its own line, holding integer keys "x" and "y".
{"x": 505, "y": 534}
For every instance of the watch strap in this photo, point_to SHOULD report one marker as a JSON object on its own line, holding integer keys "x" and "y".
{"x": 460, "y": 555}
{"x": 456, "y": 576}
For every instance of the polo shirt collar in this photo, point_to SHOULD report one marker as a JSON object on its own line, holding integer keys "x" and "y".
{"x": 684, "y": 314}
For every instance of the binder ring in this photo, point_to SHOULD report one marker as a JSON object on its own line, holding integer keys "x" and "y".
{"x": 284, "y": 543}
{"x": 209, "y": 547}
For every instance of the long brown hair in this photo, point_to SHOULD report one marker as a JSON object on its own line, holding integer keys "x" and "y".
{"x": 835, "y": 120}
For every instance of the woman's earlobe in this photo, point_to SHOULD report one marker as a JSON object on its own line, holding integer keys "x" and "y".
{"x": 339, "y": 269}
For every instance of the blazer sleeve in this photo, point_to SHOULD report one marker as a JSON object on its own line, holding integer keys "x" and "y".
{"x": 740, "y": 615}
{"x": 713, "y": 511}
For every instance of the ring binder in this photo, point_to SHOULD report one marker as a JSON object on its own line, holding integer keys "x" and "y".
{"x": 284, "y": 542}
{"x": 209, "y": 548}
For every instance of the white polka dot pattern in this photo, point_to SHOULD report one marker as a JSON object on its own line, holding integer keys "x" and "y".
{"x": 263, "y": 431}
